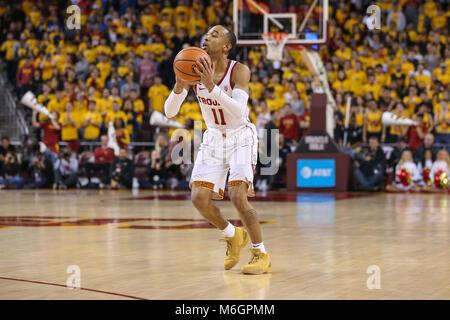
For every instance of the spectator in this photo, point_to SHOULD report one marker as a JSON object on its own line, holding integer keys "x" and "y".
{"x": 70, "y": 122}
{"x": 92, "y": 122}
{"x": 5, "y": 148}
{"x": 401, "y": 145}
{"x": 41, "y": 172}
{"x": 305, "y": 121}
{"x": 122, "y": 171}
{"x": 297, "y": 104}
{"x": 370, "y": 169}
{"x": 24, "y": 76}
{"x": 10, "y": 172}
{"x": 442, "y": 121}
{"x": 428, "y": 143}
{"x": 372, "y": 123}
{"x": 157, "y": 94}
{"x": 289, "y": 125}
{"x": 156, "y": 173}
{"x": 103, "y": 158}
{"x": 146, "y": 70}
{"x": 129, "y": 86}
{"x": 66, "y": 170}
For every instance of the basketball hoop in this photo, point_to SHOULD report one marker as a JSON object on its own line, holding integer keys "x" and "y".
{"x": 275, "y": 42}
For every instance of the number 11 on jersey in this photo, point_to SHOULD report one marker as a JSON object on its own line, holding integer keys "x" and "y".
{"x": 222, "y": 117}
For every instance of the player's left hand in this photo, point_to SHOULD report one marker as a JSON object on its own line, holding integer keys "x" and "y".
{"x": 206, "y": 73}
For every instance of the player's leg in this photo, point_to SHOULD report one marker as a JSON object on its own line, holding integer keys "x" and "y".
{"x": 207, "y": 183}
{"x": 238, "y": 196}
{"x": 240, "y": 185}
{"x": 202, "y": 200}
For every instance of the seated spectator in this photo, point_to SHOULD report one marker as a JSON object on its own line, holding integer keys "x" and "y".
{"x": 5, "y": 147}
{"x": 305, "y": 120}
{"x": 370, "y": 164}
{"x": 156, "y": 173}
{"x": 103, "y": 158}
{"x": 440, "y": 171}
{"x": 407, "y": 175}
{"x": 122, "y": 171}
{"x": 41, "y": 172}
{"x": 354, "y": 133}
{"x": 428, "y": 143}
{"x": 66, "y": 170}
{"x": 396, "y": 154}
{"x": 9, "y": 172}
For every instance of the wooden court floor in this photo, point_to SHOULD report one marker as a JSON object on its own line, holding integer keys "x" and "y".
{"x": 154, "y": 245}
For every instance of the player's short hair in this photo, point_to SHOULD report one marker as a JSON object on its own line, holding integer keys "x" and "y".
{"x": 231, "y": 38}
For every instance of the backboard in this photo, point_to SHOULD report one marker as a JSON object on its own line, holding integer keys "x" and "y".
{"x": 304, "y": 20}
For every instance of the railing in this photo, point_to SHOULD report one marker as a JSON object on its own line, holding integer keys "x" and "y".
{"x": 12, "y": 122}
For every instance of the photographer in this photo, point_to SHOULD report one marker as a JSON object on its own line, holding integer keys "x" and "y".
{"x": 103, "y": 157}
{"x": 371, "y": 166}
{"x": 122, "y": 171}
{"x": 66, "y": 171}
{"x": 40, "y": 172}
{"x": 156, "y": 173}
{"x": 10, "y": 172}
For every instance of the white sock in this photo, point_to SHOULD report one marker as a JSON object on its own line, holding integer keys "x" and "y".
{"x": 259, "y": 246}
{"x": 228, "y": 231}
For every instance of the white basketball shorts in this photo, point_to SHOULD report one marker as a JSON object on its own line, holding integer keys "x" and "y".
{"x": 221, "y": 151}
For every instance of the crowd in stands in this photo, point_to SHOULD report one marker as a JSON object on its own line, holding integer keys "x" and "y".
{"x": 118, "y": 69}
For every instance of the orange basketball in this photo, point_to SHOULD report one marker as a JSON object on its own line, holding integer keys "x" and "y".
{"x": 185, "y": 61}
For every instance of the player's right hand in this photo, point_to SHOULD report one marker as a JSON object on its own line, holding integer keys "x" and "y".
{"x": 182, "y": 84}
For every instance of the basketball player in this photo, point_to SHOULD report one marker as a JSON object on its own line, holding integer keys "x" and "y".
{"x": 229, "y": 144}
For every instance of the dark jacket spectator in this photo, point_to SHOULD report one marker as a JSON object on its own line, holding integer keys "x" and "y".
{"x": 122, "y": 171}
{"x": 371, "y": 166}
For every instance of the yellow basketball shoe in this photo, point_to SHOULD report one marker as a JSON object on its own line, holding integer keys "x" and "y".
{"x": 259, "y": 264}
{"x": 234, "y": 247}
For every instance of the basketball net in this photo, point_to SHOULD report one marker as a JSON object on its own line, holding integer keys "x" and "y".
{"x": 275, "y": 42}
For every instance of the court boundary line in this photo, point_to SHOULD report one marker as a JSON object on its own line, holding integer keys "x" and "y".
{"x": 81, "y": 288}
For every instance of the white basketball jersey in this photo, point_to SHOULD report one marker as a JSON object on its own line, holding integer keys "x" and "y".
{"x": 216, "y": 116}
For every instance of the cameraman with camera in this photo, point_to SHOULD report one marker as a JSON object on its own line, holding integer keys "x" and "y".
{"x": 9, "y": 173}
{"x": 370, "y": 166}
{"x": 40, "y": 171}
{"x": 66, "y": 170}
{"x": 122, "y": 171}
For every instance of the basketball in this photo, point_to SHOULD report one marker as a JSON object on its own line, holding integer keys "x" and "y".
{"x": 185, "y": 63}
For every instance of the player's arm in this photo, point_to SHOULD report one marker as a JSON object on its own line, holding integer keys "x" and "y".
{"x": 176, "y": 97}
{"x": 237, "y": 103}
